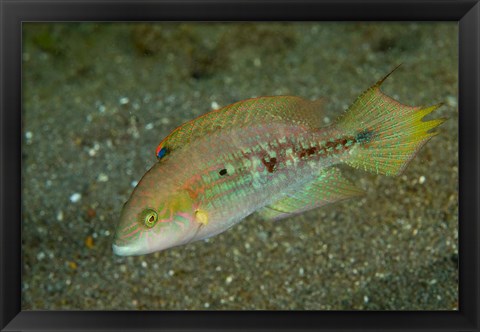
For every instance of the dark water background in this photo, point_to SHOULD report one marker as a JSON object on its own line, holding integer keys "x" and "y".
{"x": 98, "y": 98}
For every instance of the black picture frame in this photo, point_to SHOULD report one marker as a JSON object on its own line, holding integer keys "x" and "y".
{"x": 14, "y": 12}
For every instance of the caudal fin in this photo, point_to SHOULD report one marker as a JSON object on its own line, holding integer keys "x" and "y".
{"x": 387, "y": 133}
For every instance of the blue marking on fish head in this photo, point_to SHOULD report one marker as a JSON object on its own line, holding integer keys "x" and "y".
{"x": 161, "y": 153}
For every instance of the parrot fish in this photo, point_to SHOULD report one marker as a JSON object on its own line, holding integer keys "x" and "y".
{"x": 269, "y": 155}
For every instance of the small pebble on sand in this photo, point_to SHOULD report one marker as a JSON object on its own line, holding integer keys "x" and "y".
{"x": 421, "y": 179}
{"x": 214, "y": 105}
{"x": 75, "y": 197}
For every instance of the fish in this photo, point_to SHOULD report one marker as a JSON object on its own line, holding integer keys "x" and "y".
{"x": 269, "y": 155}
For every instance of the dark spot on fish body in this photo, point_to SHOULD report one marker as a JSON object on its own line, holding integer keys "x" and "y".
{"x": 343, "y": 142}
{"x": 365, "y": 136}
{"x": 330, "y": 145}
{"x": 223, "y": 172}
{"x": 337, "y": 145}
{"x": 307, "y": 152}
{"x": 270, "y": 165}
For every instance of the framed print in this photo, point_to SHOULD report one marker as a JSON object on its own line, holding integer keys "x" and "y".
{"x": 239, "y": 165}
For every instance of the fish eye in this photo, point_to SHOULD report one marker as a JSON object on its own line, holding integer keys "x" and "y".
{"x": 150, "y": 218}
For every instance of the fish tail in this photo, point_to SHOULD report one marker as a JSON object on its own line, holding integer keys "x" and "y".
{"x": 387, "y": 134}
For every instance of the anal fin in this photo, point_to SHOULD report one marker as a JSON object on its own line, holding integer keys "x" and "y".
{"x": 329, "y": 187}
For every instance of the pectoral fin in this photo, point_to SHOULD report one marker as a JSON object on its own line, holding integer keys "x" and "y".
{"x": 329, "y": 187}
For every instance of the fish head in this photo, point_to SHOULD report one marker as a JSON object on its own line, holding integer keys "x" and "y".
{"x": 151, "y": 223}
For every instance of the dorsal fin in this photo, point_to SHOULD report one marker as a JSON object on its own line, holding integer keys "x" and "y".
{"x": 244, "y": 113}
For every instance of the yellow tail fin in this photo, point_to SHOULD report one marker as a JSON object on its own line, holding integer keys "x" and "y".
{"x": 388, "y": 134}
